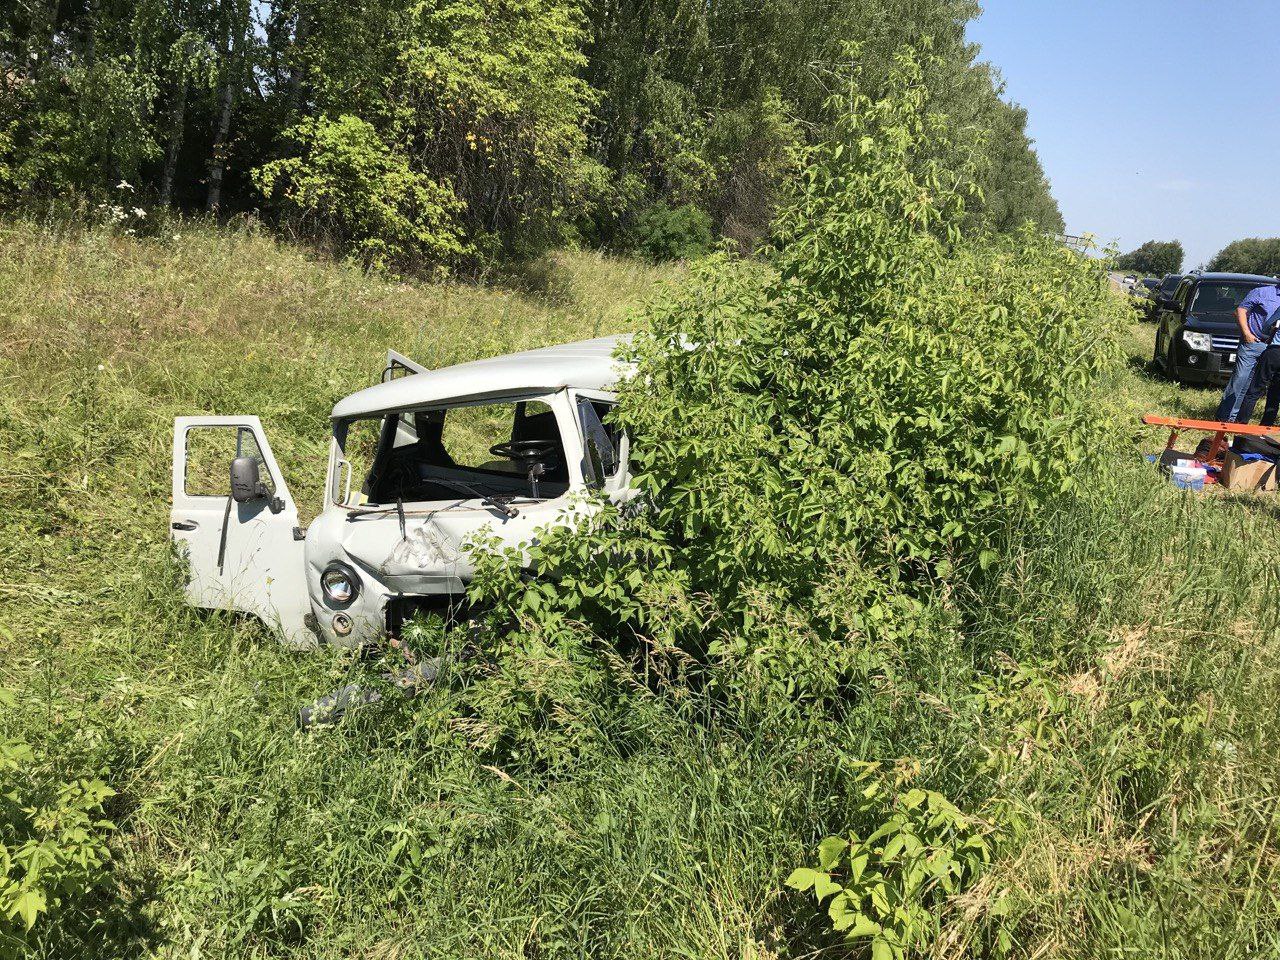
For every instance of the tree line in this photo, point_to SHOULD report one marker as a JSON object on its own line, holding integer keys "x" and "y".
{"x": 450, "y": 133}
{"x": 1254, "y": 255}
{"x": 1154, "y": 258}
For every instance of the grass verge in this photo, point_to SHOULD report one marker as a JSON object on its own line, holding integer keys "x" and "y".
{"x": 1127, "y": 739}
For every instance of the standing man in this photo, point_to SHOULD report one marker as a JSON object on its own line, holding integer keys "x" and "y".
{"x": 1257, "y": 316}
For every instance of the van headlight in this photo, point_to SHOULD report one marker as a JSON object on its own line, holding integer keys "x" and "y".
{"x": 1197, "y": 341}
{"x": 340, "y": 584}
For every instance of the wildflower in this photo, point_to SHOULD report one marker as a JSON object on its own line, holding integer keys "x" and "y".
{"x": 139, "y": 212}
{"x": 124, "y": 185}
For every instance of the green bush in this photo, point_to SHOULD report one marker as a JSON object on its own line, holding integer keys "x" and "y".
{"x": 673, "y": 233}
{"x": 889, "y": 887}
{"x": 830, "y": 449}
{"x": 347, "y": 183}
{"x": 53, "y": 846}
{"x": 825, "y": 444}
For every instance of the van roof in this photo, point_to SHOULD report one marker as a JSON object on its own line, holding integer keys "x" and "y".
{"x": 586, "y": 365}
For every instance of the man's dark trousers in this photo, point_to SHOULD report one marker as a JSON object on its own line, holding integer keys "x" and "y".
{"x": 1267, "y": 370}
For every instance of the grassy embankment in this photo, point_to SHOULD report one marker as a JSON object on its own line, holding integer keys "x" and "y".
{"x": 1143, "y": 777}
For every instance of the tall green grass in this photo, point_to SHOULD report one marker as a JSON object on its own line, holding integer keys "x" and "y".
{"x": 1132, "y": 757}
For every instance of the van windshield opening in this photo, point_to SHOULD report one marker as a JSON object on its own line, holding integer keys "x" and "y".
{"x": 505, "y": 451}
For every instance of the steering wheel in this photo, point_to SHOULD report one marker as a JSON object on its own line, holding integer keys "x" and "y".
{"x": 526, "y": 451}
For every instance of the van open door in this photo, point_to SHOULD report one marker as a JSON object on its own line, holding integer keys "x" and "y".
{"x": 244, "y": 552}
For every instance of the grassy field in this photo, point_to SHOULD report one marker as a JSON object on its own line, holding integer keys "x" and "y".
{"x": 1130, "y": 743}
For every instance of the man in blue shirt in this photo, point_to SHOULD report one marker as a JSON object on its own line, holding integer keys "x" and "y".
{"x": 1257, "y": 315}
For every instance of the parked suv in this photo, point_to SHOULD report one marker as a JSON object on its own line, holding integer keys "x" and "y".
{"x": 1196, "y": 330}
{"x": 1161, "y": 295}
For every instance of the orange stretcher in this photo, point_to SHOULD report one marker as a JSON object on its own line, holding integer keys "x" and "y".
{"x": 1219, "y": 429}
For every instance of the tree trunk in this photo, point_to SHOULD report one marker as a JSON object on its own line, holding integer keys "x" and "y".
{"x": 226, "y": 100}
{"x": 44, "y": 39}
{"x": 91, "y": 39}
{"x": 295, "y": 66}
{"x": 175, "y": 141}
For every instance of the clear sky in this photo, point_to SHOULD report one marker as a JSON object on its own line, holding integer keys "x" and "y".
{"x": 1154, "y": 119}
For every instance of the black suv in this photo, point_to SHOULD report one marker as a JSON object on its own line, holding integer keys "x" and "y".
{"x": 1196, "y": 330}
{"x": 1161, "y": 294}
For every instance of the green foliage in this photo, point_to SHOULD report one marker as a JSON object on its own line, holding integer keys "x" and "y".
{"x": 548, "y": 120}
{"x": 890, "y": 888}
{"x": 351, "y": 186}
{"x": 79, "y": 131}
{"x": 1255, "y": 255}
{"x": 1014, "y": 188}
{"x": 822, "y": 444}
{"x": 478, "y": 102}
{"x": 53, "y": 841}
{"x": 702, "y": 102}
{"x": 7, "y": 179}
{"x": 683, "y": 233}
{"x": 825, "y": 448}
{"x": 1028, "y": 712}
{"x": 750, "y": 150}
{"x": 1155, "y": 257}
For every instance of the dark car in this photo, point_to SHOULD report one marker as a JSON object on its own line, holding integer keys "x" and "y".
{"x": 1197, "y": 334}
{"x": 1144, "y": 292}
{"x": 1161, "y": 294}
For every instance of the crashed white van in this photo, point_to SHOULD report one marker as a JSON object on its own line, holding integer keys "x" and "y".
{"x": 417, "y": 465}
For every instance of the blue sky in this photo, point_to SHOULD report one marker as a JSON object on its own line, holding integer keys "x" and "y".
{"x": 1154, "y": 119}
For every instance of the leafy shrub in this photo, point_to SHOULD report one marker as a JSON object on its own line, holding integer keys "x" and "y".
{"x": 673, "y": 233}
{"x": 828, "y": 448}
{"x": 888, "y": 887}
{"x": 78, "y": 132}
{"x": 52, "y": 841}
{"x": 347, "y": 182}
{"x": 1027, "y": 712}
{"x": 824, "y": 443}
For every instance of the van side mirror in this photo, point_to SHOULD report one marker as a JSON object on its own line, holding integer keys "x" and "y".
{"x": 246, "y": 484}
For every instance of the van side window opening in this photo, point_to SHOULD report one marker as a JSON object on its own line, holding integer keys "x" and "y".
{"x": 414, "y": 456}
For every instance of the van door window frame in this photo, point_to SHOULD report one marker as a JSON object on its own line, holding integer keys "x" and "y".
{"x": 621, "y": 475}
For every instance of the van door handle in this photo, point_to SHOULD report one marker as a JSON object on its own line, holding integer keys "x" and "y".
{"x": 184, "y": 525}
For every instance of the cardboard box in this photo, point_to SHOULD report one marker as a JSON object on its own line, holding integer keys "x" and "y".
{"x": 1237, "y": 475}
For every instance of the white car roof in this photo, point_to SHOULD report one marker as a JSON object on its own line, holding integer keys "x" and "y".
{"x": 585, "y": 365}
